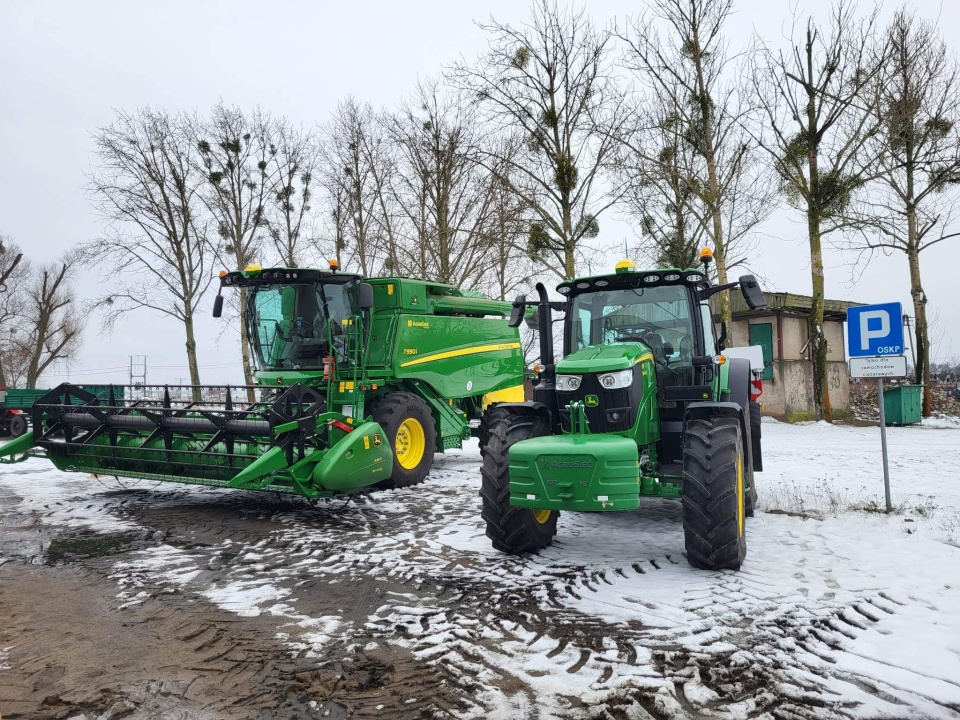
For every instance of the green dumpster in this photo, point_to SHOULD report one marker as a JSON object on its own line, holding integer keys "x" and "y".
{"x": 901, "y": 405}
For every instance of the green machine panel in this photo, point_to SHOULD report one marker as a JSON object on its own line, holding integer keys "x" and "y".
{"x": 575, "y": 472}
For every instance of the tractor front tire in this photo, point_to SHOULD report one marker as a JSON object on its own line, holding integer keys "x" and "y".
{"x": 511, "y": 529}
{"x": 490, "y": 416}
{"x": 714, "y": 506}
{"x": 408, "y": 424}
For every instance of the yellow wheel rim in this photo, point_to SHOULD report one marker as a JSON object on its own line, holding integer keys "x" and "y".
{"x": 541, "y": 516}
{"x": 410, "y": 443}
{"x": 741, "y": 516}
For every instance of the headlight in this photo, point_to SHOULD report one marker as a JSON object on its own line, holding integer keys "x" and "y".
{"x": 568, "y": 383}
{"x": 616, "y": 380}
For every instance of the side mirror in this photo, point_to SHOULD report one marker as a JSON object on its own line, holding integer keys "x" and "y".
{"x": 218, "y": 305}
{"x": 752, "y": 292}
{"x": 533, "y": 321}
{"x": 516, "y": 315}
{"x": 365, "y": 296}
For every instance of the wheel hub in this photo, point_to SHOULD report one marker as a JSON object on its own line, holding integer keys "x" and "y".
{"x": 410, "y": 443}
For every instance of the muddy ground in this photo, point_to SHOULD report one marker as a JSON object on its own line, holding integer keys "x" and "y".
{"x": 72, "y": 652}
{"x": 150, "y": 600}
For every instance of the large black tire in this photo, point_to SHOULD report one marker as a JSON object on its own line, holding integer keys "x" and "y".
{"x": 490, "y": 416}
{"x": 511, "y": 529}
{"x": 403, "y": 416}
{"x": 18, "y": 425}
{"x": 757, "y": 458}
{"x": 714, "y": 509}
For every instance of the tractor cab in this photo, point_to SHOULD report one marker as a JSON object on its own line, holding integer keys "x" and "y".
{"x": 630, "y": 329}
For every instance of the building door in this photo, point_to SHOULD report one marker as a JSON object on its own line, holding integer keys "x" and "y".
{"x": 762, "y": 334}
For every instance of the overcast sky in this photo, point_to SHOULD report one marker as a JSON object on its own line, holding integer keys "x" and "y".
{"x": 66, "y": 67}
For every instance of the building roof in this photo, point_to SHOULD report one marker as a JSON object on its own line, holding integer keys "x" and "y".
{"x": 789, "y": 302}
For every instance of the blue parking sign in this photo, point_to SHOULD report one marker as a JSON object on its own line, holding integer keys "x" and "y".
{"x": 875, "y": 330}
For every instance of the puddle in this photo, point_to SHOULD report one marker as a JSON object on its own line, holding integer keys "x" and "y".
{"x": 67, "y": 548}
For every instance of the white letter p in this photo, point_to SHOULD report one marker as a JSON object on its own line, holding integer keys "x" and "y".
{"x": 866, "y": 334}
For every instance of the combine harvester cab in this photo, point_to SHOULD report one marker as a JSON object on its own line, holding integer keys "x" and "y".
{"x": 359, "y": 383}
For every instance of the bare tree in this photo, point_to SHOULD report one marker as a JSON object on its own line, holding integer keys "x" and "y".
{"x": 10, "y": 257}
{"x": 51, "y": 324}
{"x": 294, "y": 177}
{"x": 447, "y": 199}
{"x": 551, "y": 81}
{"x": 356, "y": 168}
{"x": 147, "y": 187}
{"x": 508, "y": 231}
{"x": 816, "y": 103}
{"x": 234, "y": 152}
{"x": 914, "y": 207}
{"x": 16, "y": 273}
{"x": 699, "y": 167}
{"x": 659, "y": 190}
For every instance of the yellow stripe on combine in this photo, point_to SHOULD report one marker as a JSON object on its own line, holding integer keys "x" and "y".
{"x": 648, "y": 356}
{"x": 461, "y": 353}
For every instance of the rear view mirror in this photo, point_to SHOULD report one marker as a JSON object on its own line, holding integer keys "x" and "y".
{"x": 516, "y": 314}
{"x": 218, "y": 306}
{"x": 365, "y": 296}
{"x": 752, "y": 292}
{"x": 533, "y": 321}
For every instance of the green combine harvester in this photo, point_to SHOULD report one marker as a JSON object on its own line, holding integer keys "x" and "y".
{"x": 642, "y": 404}
{"x": 359, "y": 384}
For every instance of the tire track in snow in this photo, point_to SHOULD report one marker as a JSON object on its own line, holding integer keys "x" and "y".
{"x": 609, "y": 620}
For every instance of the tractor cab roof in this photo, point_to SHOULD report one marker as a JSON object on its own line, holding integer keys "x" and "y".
{"x": 255, "y": 275}
{"x": 627, "y": 277}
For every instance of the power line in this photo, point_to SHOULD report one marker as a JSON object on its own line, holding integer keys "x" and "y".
{"x": 100, "y": 371}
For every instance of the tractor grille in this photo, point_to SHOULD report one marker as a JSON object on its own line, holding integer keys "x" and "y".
{"x": 623, "y": 402}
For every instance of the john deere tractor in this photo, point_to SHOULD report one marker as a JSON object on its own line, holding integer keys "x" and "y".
{"x": 359, "y": 384}
{"x": 642, "y": 404}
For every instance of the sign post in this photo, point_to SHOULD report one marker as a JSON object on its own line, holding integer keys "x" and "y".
{"x": 875, "y": 344}
{"x": 883, "y": 445}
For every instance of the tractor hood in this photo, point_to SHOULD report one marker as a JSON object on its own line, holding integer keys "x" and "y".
{"x": 603, "y": 358}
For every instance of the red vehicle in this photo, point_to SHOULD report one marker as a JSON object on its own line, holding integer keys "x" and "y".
{"x": 14, "y": 407}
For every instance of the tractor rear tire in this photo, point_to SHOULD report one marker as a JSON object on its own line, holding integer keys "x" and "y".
{"x": 408, "y": 424}
{"x": 714, "y": 506}
{"x": 512, "y": 529}
{"x": 18, "y": 425}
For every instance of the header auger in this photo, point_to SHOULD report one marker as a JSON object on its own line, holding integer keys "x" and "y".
{"x": 642, "y": 404}
{"x": 359, "y": 383}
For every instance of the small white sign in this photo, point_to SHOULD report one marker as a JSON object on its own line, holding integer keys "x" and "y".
{"x": 878, "y": 367}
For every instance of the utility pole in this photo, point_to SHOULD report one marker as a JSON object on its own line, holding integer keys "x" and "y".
{"x": 913, "y": 357}
{"x": 138, "y": 370}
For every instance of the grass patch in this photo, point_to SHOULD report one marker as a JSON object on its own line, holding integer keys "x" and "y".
{"x": 949, "y": 523}
{"x": 806, "y": 501}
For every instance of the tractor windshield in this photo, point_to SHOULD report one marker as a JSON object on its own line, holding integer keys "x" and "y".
{"x": 290, "y": 326}
{"x": 658, "y": 316}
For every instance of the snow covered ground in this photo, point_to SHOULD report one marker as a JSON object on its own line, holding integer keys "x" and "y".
{"x": 839, "y": 611}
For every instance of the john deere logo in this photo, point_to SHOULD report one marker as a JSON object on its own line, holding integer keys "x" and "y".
{"x": 377, "y": 440}
{"x": 418, "y": 324}
{"x": 591, "y": 401}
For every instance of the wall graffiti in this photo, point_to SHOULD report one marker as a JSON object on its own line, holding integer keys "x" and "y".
{"x": 836, "y": 378}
